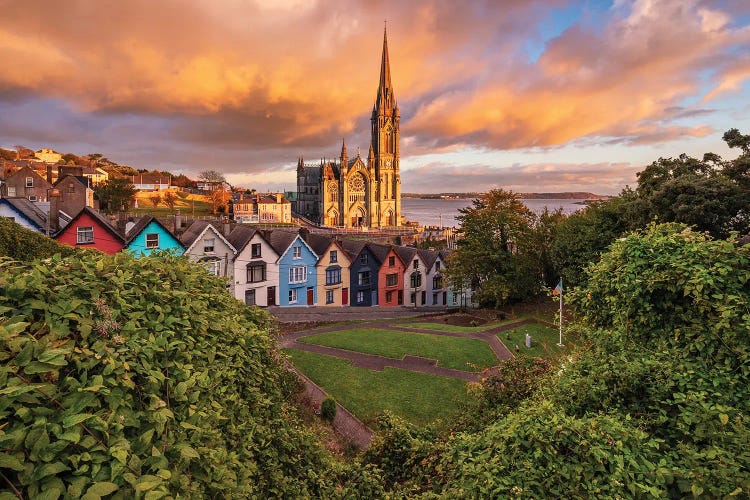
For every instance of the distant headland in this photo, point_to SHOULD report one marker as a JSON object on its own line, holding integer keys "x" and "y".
{"x": 569, "y": 195}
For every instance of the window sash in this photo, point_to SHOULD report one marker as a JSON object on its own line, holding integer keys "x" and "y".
{"x": 209, "y": 245}
{"x": 293, "y": 296}
{"x": 256, "y": 272}
{"x": 363, "y": 278}
{"x": 391, "y": 279}
{"x": 152, "y": 240}
{"x": 255, "y": 250}
{"x": 333, "y": 276}
{"x": 297, "y": 274}
{"x": 334, "y": 256}
{"x": 85, "y": 234}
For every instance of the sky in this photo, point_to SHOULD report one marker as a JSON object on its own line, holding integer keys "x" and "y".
{"x": 532, "y": 96}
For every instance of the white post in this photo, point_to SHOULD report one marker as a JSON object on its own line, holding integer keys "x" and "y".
{"x": 561, "y": 294}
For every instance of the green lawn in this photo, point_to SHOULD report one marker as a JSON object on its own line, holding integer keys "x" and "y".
{"x": 417, "y": 397}
{"x": 543, "y": 340}
{"x": 442, "y": 327}
{"x": 451, "y": 352}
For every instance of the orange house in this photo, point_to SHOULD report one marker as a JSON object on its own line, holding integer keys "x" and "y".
{"x": 390, "y": 276}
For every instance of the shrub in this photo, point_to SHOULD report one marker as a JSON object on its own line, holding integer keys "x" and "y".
{"x": 24, "y": 245}
{"x": 328, "y": 409}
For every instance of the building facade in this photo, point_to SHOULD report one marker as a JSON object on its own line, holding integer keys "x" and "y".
{"x": 357, "y": 191}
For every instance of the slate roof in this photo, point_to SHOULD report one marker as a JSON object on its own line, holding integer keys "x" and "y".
{"x": 428, "y": 257}
{"x": 379, "y": 251}
{"x": 28, "y": 209}
{"x": 353, "y": 247}
{"x": 406, "y": 253}
{"x": 319, "y": 243}
{"x": 280, "y": 240}
{"x": 193, "y": 232}
{"x": 240, "y": 236}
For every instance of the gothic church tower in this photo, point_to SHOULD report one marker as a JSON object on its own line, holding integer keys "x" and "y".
{"x": 384, "y": 149}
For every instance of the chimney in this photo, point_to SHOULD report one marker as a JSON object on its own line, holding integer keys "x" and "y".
{"x": 177, "y": 221}
{"x": 230, "y": 209}
{"x": 49, "y": 173}
{"x": 53, "y": 217}
{"x": 279, "y": 196}
{"x": 227, "y": 226}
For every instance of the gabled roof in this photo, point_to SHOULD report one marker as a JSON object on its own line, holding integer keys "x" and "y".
{"x": 354, "y": 247}
{"x": 240, "y": 236}
{"x": 99, "y": 218}
{"x": 84, "y": 181}
{"x": 27, "y": 210}
{"x": 281, "y": 239}
{"x": 196, "y": 231}
{"x": 428, "y": 257}
{"x": 381, "y": 252}
{"x": 142, "y": 224}
{"x": 319, "y": 243}
{"x": 406, "y": 253}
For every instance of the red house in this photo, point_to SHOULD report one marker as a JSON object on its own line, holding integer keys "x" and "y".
{"x": 390, "y": 276}
{"x": 89, "y": 229}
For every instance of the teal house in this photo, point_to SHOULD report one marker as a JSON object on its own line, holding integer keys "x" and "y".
{"x": 149, "y": 235}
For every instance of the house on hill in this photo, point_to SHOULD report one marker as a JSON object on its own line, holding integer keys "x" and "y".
{"x": 390, "y": 275}
{"x": 204, "y": 243}
{"x": 25, "y": 183}
{"x": 363, "y": 273}
{"x": 332, "y": 270}
{"x": 256, "y": 269}
{"x": 151, "y": 182}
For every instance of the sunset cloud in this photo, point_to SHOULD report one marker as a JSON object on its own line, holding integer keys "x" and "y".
{"x": 247, "y": 87}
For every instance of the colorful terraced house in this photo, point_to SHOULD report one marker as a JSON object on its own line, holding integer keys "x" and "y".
{"x": 297, "y": 274}
{"x": 148, "y": 235}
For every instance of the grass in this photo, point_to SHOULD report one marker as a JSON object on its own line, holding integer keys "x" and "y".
{"x": 451, "y": 352}
{"x": 442, "y": 327}
{"x": 417, "y": 397}
{"x": 543, "y": 340}
{"x": 202, "y": 208}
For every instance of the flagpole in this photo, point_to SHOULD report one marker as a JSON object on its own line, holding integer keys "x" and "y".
{"x": 561, "y": 294}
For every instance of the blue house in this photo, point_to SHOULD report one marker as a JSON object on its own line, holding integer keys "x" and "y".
{"x": 297, "y": 274}
{"x": 149, "y": 235}
{"x": 363, "y": 270}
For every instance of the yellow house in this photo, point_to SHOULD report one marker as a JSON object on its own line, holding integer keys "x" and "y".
{"x": 332, "y": 270}
{"x": 48, "y": 156}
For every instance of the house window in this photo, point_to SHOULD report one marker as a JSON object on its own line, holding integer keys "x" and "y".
{"x": 391, "y": 279}
{"x": 71, "y": 188}
{"x": 413, "y": 298}
{"x": 329, "y": 296}
{"x": 333, "y": 276}
{"x": 363, "y": 258}
{"x": 250, "y": 297}
{"x": 434, "y": 299}
{"x": 214, "y": 267}
{"x": 29, "y": 182}
{"x": 255, "y": 250}
{"x": 85, "y": 234}
{"x": 360, "y": 297}
{"x": 32, "y": 197}
{"x": 334, "y": 257}
{"x": 416, "y": 280}
{"x": 293, "y": 296}
{"x": 256, "y": 272}
{"x": 208, "y": 245}
{"x": 11, "y": 191}
{"x": 391, "y": 261}
{"x": 455, "y": 299}
{"x": 297, "y": 274}
{"x": 437, "y": 282}
{"x": 437, "y": 266}
{"x": 297, "y": 252}
{"x": 416, "y": 263}
{"x": 152, "y": 240}
{"x": 363, "y": 278}
{"x": 389, "y": 297}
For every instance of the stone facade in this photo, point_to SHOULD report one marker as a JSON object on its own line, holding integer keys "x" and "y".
{"x": 359, "y": 192}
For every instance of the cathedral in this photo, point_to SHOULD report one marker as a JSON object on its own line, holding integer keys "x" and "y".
{"x": 359, "y": 192}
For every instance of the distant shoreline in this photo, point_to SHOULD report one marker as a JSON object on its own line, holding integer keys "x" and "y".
{"x": 576, "y": 195}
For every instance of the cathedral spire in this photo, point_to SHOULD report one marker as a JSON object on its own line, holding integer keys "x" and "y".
{"x": 385, "y": 68}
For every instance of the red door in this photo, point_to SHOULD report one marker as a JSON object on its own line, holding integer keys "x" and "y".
{"x": 310, "y": 296}
{"x": 344, "y": 296}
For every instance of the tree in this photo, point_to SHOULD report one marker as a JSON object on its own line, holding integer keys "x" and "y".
{"x": 115, "y": 194}
{"x": 494, "y": 254}
{"x": 155, "y": 199}
{"x": 212, "y": 176}
{"x": 169, "y": 199}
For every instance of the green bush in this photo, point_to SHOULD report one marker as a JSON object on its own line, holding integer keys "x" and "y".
{"x": 145, "y": 377}
{"x": 328, "y": 409}
{"x": 24, "y": 245}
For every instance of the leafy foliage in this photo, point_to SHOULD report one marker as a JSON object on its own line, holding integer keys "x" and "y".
{"x": 21, "y": 244}
{"x": 116, "y": 194}
{"x": 143, "y": 378}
